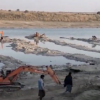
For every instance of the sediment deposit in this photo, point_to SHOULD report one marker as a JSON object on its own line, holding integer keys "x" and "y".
{"x": 86, "y": 80}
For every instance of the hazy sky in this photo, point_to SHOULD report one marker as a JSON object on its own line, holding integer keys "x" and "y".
{"x": 52, "y": 5}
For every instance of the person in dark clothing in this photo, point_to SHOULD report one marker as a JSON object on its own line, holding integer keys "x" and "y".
{"x": 68, "y": 83}
{"x": 1, "y": 39}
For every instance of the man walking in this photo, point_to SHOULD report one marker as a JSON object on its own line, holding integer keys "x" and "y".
{"x": 41, "y": 87}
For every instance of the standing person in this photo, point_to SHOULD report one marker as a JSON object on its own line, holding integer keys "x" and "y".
{"x": 1, "y": 36}
{"x": 4, "y": 71}
{"x": 41, "y": 87}
{"x": 68, "y": 83}
{"x": 1, "y": 39}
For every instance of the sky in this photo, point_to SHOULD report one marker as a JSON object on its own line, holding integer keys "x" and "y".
{"x": 52, "y": 5}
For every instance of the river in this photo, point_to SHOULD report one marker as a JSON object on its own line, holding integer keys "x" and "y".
{"x": 54, "y": 34}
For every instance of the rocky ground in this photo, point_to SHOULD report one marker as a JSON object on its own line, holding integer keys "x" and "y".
{"x": 10, "y": 62}
{"x": 86, "y": 86}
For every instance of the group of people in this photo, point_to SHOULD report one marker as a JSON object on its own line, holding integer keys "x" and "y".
{"x": 67, "y": 83}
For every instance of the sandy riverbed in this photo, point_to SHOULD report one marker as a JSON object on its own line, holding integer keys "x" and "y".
{"x": 85, "y": 87}
{"x": 63, "y": 43}
{"x": 86, "y": 81}
{"x": 88, "y": 40}
{"x": 32, "y": 48}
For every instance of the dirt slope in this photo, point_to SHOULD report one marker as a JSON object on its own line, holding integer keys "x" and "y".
{"x": 48, "y": 16}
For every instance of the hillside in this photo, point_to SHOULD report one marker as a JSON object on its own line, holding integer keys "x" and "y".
{"x": 47, "y": 16}
{"x": 29, "y": 19}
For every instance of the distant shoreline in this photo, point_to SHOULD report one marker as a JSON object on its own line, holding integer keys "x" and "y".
{"x": 43, "y": 24}
{"x": 31, "y": 19}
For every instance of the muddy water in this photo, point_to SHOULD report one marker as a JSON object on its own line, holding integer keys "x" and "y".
{"x": 68, "y": 49}
{"x": 54, "y": 34}
{"x": 36, "y": 59}
{"x": 94, "y": 47}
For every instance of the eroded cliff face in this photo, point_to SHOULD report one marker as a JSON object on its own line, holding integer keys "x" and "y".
{"x": 48, "y": 16}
